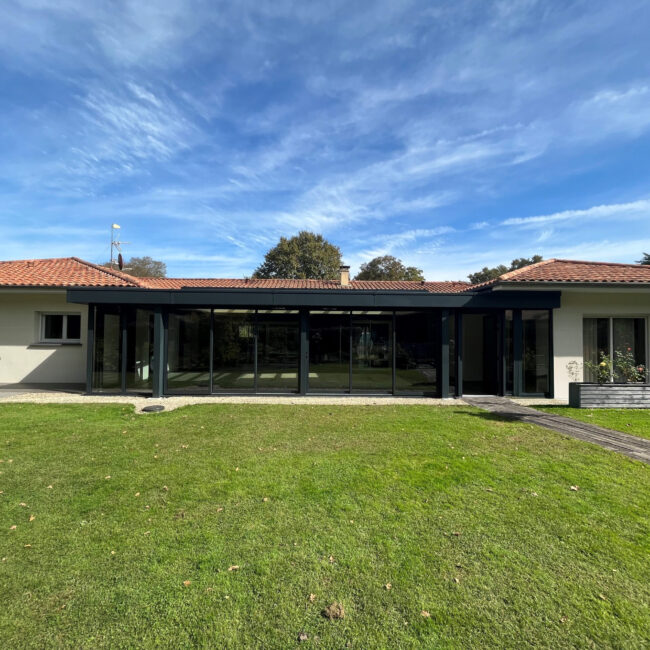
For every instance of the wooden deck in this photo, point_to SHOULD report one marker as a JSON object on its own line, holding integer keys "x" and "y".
{"x": 623, "y": 443}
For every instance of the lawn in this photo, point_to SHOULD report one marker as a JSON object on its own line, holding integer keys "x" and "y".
{"x": 433, "y": 527}
{"x": 634, "y": 421}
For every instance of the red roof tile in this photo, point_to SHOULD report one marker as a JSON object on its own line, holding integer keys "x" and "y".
{"x": 61, "y": 272}
{"x": 574, "y": 271}
{"x": 253, "y": 283}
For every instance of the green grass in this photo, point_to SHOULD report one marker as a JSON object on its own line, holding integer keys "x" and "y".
{"x": 468, "y": 517}
{"x": 634, "y": 421}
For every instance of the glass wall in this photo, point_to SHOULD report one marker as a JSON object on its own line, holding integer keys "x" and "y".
{"x": 536, "y": 350}
{"x": 234, "y": 350}
{"x": 509, "y": 352}
{"x": 595, "y": 343}
{"x": 188, "y": 351}
{"x": 278, "y": 351}
{"x": 139, "y": 350}
{"x": 417, "y": 340}
{"x": 107, "y": 361}
{"x": 452, "y": 353}
{"x": 629, "y": 336}
{"x": 372, "y": 352}
{"x": 329, "y": 351}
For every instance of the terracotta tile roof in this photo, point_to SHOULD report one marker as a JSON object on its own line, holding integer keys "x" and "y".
{"x": 61, "y": 272}
{"x": 574, "y": 271}
{"x": 224, "y": 283}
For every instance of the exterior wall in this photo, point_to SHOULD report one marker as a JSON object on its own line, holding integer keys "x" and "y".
{"x": 22, "y": 358}
{"x": 567, "y": 325}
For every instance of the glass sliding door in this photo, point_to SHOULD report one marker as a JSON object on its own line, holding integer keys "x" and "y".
{"x": 595, "y": 343}
{"x": 536, "y": 351}
{"x": 278, "y": 351}
{"x": 509, "y": 352}
{"x": 233, "y": 356}
{"x": 188, "y": 351}
{"x": 417, "y": 338}
{"x": 139, "y": 350}
{"x": 629, "y": 336}
{"x": 372, "y": 352}
{"x": 329, "y": 351}
{"x": 107, "y": 358}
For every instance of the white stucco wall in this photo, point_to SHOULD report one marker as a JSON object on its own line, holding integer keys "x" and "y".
{"x": 22, "y": 358}
{"x": 567, "y": 324}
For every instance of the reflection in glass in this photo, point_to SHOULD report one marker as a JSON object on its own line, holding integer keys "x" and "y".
{"x": 509, "y": 352}
{"x": 139, "y": 350}
{"x": 629, "y": 336}
{"x": 107, "y": 354}
{"x": 234, "y": 350}
{"x": 595, "y": 343}
{"x": 451, "y": 321}
{"x": 372, "y": 353}
{"x": 329, "y": 351}
{"x": 536, "y": 359}
{"x": 416, "y": 339}
{"x": 278, "y": 351}
{"x": 188, "y": 351}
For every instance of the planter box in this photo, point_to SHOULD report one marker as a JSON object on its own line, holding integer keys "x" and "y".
{"x": 623, "y": 396}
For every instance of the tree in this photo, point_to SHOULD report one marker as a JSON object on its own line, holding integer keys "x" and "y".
{"x": 306, "y": 255}
{"x": 486, "y": 273}
{"x": 645, "y": 259}
{"x": 143, "y": 267}
{"x": 388, "y": 267}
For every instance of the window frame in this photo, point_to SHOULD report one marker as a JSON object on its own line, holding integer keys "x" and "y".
{"x": 610, "y": 337}
{"x": 65, "y": 340}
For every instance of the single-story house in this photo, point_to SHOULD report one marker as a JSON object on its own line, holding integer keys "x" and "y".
{"x": 70, "y": 322}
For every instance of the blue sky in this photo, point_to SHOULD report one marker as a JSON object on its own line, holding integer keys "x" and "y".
{"x": 451, "y": 134}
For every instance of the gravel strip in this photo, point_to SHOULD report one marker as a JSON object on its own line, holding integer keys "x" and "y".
{"x": 171, "y": 403}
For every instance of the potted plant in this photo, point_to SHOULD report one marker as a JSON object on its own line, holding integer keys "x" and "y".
{"x": 620, "y": 383}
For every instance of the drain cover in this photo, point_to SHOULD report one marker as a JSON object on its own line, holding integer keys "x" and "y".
{"x": 154, "y": 408}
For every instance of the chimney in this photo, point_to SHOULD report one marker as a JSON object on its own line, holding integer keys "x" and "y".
{"x": 345, "y": 275}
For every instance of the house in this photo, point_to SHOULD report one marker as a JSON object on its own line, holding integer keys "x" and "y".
{"x": 69, "y": 322}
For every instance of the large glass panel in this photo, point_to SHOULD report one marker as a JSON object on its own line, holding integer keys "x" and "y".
{"x": 188, "y": 351}
{"x": 452, "y": 353}
{"x": 139, "y": 350}
{"x": 234, "y": 350}
{"x": 278, "y": 351}
{"x": 629, "y": 336}
{"x": 508, "y": 352}
{"x": 536, "y": 352}
{"x": 417, "y": 337}
{"x": 372, "y": 369}
{"x": 329, "y": 351}
{"x": 107, "y": 360}
{"x": 595, "y": 343}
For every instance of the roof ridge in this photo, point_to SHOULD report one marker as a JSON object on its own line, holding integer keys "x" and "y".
{"x": 508, "y": 274}
{"x": 103, "y": 269}
{"x": 598, "y": 263}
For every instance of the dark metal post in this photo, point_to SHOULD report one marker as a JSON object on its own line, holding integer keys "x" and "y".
{"x": 211, "y": 353}
{"x": 394, "y": 353}
{"x": 551, "y": 357}
{"x": 304, "y": 352}
{"x": 459, "y": 354}
{"x": 123, "y": 323}
{"x": 157, "y": 362}
{"x": 518, "y": 350}
{"x": 90, "y": 348}
{"x": 443, "y": 388}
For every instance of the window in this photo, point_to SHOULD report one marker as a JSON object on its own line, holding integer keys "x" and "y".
{"x": 605, "y": 336}
{"x": 60, "y": 328}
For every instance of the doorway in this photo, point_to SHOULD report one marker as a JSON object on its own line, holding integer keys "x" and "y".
{"x": 480, "y": 354}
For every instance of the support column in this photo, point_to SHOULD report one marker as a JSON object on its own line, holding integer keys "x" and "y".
{"x": 443, "y": 388}
{"x": 304, "y": 352}
{"x": 459, "y": 354}
{"x": 158, "y": 358}
{"x": 90, "y": 348}
{"x": 123, "y": 323}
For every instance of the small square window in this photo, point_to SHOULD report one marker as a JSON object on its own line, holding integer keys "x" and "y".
{"x": 60, "y": 328}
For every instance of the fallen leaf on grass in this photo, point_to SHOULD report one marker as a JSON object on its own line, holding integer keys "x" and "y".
{"x": 187, "y": 583}
{"x": 24, "y": 505}
{"x": 107, "y": 477}
{"x": 50, "y": 487}
{"x": 425, "y": 613}
{"x": 456, "y": 534}
{"x": 32, "y": 517}
{"x": 303, "y": 637}
{"x": 564, "y": 619}
{"x": 575, "y": 488}
{"x": 456, "y": 580}
{"x": 137, "y": 494}
{"x": 147, "y": 532}
{"x": 334, "y": 611}
{"x": 331, "y": 559}
{"x": 265, "y": 499}
{"x": 388, "y": 586}
{"x": 28, "y": 545}
{"x": 13, "y": 527}
{"x": 312, "y": 598}
{"x": 165, "y": 488}
{"x": 236, "y": 469}
{"x": 219, "y": 509}
{"x": 112, "y": 552}
{"x": 234, "y": 567}
{"x": 602, "y": 596}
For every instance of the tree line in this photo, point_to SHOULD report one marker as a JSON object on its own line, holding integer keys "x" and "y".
{"x": 310, "y": 256}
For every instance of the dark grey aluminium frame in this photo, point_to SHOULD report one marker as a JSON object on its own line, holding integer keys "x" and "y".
{"x": 160, "y": 300}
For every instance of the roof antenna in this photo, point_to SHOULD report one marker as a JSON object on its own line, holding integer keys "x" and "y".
{"x": 116, "y": 249}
